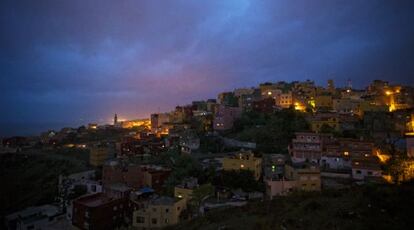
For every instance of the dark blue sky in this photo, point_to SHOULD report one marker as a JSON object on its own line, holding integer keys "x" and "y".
{"x": 77, "y": 61}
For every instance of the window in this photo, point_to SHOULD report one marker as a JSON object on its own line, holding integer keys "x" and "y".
{"x": 115, "y": 208}
{"x": 154, "y": 209}
{"x": 167, "y": 221}
{"x": 167, "y": 210}
{"x": 140, "y": 219}
{"x": 358, "y": 172}
{"x": 154, "y": 220}
{"x": 370, "y": 173}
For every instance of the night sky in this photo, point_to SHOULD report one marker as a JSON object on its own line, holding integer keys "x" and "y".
{"x": 72, "y": 62}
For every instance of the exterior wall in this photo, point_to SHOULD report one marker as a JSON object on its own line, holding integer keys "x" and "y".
{"x": 279, "y": 187}
{"x": 158, "y": 216}
{"x": 135, "y": 176}
{"x": 335, "y": 163}
{"x": 184, "y": 193}
{"x": 264, "y": 106}
{"x": 360, "y": 173}
{"x": 284, "y": 100}
{"x": 333, "y": 122}
{"x": 244, "y": 161}
{"x": 307, "y": 147}
{"x": 225, "y": 117}
{"x": 107, "y": 215}
{"x": 410, "y": 146}
{"x": 323, "y": 101}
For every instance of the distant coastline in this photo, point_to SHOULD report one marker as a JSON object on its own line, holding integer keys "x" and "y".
{"x": 8, "y": 129}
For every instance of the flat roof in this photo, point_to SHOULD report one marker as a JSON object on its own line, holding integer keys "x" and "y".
{"x": 95, "y": 200}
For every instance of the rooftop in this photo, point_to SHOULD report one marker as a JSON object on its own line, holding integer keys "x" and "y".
{"x": 94, "y": 200}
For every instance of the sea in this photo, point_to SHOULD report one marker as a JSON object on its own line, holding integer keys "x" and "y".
{"x": 10, "y": 129}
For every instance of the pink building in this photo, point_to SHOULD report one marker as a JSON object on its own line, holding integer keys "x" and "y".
{"x": 308, "y": 146}
{"x": 225, "y": 117}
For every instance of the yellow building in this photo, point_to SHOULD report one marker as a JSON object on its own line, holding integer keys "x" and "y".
{"x": 367, "y": 106}
{"x": 323, "y": 101}
{"x": 244, "y": 160}
{"x": 307, "y": 177}
{"x": 186, "y": 188}
{"x": 98, "y": 155}
{"x": 160, "y": 213}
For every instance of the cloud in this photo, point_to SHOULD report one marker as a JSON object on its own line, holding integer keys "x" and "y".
{"x": 96, "y": 58}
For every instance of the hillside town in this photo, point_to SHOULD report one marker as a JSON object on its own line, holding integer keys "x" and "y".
{"x": 246, "y": 146}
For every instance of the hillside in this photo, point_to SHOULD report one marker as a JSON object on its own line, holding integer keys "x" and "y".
{"x": 369, "y": 207}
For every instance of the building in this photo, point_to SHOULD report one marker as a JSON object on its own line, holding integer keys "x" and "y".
{"x": 246, "y": 100}
{"x": 410, "y": 145}
{"x": 157, "y": 122}
{"x": 265, "y": 105}
{"x": 323, "y": 102}
{"x": 107, "y": 210}
{"x": 99, "y": 154}
{"x": 68, "y": 184}
{"x": 227, "y": 99}
{"x": 308, "y": 146}
{"x": 134, "y": 176}
{"x": 225, "y": 117}
{"x": 345, "y": 105}
{"x": 244, "y": 161}
{"x": 186, "y": 188}
{"x": 274, "y": 166}
{"x": 320, "y": 120}
{"x": 40, "y": 217}
{"x": 366, "y": 169}
{"x": 284, "y": 100}
{"x": 189, "y": 141}
{"x": 302, "y": 177}
{"x": 159, "y": 213}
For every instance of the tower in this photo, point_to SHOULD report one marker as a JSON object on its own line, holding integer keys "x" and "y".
{"x": 115, "y": 119}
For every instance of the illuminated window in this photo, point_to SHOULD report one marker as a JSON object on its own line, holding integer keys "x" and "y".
{"x": 242, "y": 166}
{"x": 346, "y": 153}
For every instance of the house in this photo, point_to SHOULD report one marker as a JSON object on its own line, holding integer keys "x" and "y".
{"x": 186, "y": 188}
{"x": 189, "y": 141}
{"x": 107, "y": 210}
{"x": 225, "y": 117}
{"x": 134, "y": 176}
{"x": 157, "y": 122}
{"x": 265, "y": 105}
{"x": 159, "y": 213}
{"x": 67, "y": 186}
{"x": 324, "y": 119}
{"x": 366, "y": 168}
{"x": 244, "y": 160}
{"x": 308, "y": 146}
{"x": 284, "y": 100}
{"x": 40, "y": 217}
{"x": 302, "y": 177}
{"x": 274, "y": 165}
{"x": 323, "y": 102}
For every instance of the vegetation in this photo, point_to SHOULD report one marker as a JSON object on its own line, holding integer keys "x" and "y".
{"x": 369, "y": 207}
{"x": 243, "y": 179}
{"x": 32, "y": 179}
{"x": 271, "y": 132}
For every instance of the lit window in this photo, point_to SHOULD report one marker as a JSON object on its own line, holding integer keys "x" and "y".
{"x": 242, "y": 166}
